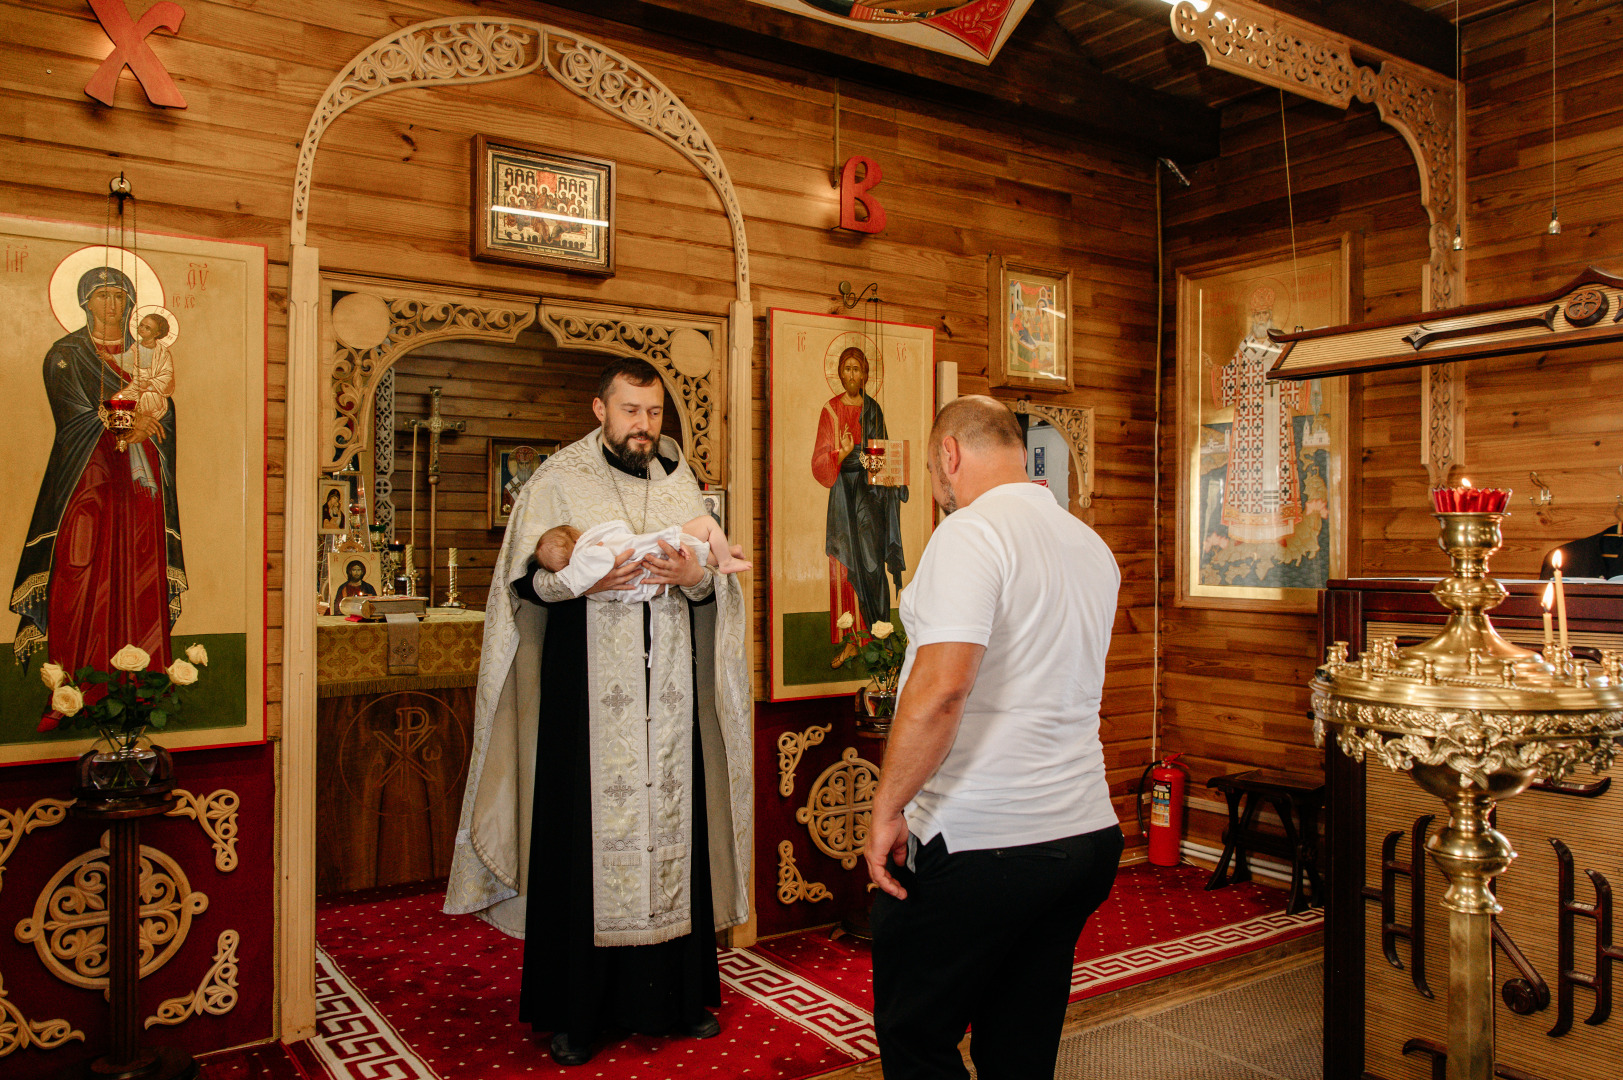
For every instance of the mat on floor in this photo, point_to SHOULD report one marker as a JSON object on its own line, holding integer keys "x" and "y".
{"x": 407, "y": 992}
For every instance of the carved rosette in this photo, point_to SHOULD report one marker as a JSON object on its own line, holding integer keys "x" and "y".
{"x": 692, "y": 389}
{"x": 216, "y": 812}
{"x": 1075, "y": 423}
{"x": 1474, "y": 744}
{"x": 791, "y": 745}
{"x": 413, "y": 322}
{"x": 457, "y": 50}
{"x": 791, "y": 885}
{"x": 69, "y": 926}
{"x": 839, "y": 807}
{"x": 215, "y": 995}
{"x": 615, "y": 84}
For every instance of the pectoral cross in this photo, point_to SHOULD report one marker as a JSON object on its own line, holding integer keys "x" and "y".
{"x": 435, "y": 425}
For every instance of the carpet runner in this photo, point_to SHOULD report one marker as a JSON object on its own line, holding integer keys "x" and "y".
{"x": 409, "y": 993}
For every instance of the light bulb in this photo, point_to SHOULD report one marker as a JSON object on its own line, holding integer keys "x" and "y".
{"x": 1459, "y": 242}
{"x": 1554, "y": 228}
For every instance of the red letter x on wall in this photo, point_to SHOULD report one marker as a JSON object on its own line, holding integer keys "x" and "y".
{"x": 130, "y": 48}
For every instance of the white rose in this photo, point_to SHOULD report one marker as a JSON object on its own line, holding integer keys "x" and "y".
{"x": 846, "y": 620}
{"x": 53, "y": 675}
{"x": 882, "y": 629}
{"x": 67, "y": 700}
{"x": 197, "y": 655}
{"x": 129, "y": 658}
{"x": 181, "y": 673}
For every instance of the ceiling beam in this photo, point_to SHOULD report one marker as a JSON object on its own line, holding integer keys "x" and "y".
{"x": 1390, "y": 26}
{"x": 1029, "y": 86}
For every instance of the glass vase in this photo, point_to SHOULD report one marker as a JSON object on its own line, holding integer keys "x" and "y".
{"x": 122, "y": 761}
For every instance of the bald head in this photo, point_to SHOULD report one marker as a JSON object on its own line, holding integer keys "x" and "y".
{"x": 980, "y": 424}
{"x": 975, "y": 444}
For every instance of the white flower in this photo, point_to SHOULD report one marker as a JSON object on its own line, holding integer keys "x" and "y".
{"x": 197, "y": 655}
{"x": 882, "y": 630}
{"x": 181, "y": 673}
{"x": 846, "y": 620}
{"x": 129, "y": 658}
{"x": 53, "y": 675}
{"x": 67, "y": 700}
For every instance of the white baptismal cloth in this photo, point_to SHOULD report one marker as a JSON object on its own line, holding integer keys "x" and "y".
{"x": 598, "y": 546}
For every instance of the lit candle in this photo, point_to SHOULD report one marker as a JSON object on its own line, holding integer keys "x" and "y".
{"x": 1560, "y": 603}
{"x": 1549, "y": 638}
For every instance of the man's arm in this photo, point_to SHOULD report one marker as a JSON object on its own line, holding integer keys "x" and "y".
{"x": 927, "y": 718}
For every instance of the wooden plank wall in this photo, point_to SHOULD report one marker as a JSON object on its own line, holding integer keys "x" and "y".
{"x": 391, "y": 191}
{"x": 1234, "y": 690}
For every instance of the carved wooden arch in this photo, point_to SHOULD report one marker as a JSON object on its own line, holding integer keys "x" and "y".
{"x": 1254, "y": 41}
{"x": 687, "y": 350}
{"x": 475, "y": 50}
{"x": 1075, "y": 423}
{"x": 416, "y": 318}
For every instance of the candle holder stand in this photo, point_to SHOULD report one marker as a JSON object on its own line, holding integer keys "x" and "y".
{"x": 1474, "y": 720}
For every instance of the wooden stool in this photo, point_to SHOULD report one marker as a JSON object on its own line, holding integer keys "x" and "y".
{"x": 1297, "y": 800}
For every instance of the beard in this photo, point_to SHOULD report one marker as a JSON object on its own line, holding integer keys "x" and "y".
{"x": 854, "y": 387}
{"x": 949, "y": 498}
{"x": 635, "y": 456}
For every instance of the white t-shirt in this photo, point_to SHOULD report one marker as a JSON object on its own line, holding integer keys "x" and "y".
{"x": 1014, "y": 572}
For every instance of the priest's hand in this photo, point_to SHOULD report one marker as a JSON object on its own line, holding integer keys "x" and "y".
{"x": 619, "y": 579}
{"x": 887, "y": 842}
{"x": 676, "y": 566}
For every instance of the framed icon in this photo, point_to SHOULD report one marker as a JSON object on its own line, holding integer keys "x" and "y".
{"x": 353, "y": 574}
{"x": 533, "y": 206}
{"x": 1030, "y": 320}
{"x": 333, "y": 507}
{"x": 511, "y": 465}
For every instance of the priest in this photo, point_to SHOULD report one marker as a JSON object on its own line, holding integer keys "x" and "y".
{"x": 608, "y": 809}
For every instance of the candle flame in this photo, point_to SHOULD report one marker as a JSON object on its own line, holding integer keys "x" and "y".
{"x": 1464, "y": 482}
{"x": 1549, "y": 596}
{"x": 1555, "y": 560}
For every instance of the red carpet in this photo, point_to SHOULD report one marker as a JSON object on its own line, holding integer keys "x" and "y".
{"x": 406, "y": 992}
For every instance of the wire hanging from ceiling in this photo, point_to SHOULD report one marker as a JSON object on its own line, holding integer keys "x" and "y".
{"x": 1290, "y": 203}
{"x": 1554, "y": 228}
{"x": 1459, "y": 133}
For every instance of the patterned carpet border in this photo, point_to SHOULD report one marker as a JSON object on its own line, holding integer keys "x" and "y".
{"x": 1101, "y": 975}
{"x": 353, "y": 1040}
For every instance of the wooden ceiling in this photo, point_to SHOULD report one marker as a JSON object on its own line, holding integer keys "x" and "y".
{"x": 1108, "y": 70}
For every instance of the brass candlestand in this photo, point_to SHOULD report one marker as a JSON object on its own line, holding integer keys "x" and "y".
{"x": 1473, "y": 719}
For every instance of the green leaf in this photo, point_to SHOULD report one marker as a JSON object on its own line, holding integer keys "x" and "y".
{"x": 158, "y": 718}
{"x": 91, "y": 675}
{"x": 83, "y": 673}
{"x": 113, "y": 705}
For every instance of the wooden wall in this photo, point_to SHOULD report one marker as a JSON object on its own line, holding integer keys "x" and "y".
{"x": 1234, "y": 689}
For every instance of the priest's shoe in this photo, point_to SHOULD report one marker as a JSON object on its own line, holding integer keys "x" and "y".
{"x": 706, "y": 1028}
{"x": 567, "y": 1051}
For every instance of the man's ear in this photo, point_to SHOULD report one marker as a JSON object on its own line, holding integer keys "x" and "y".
{"x": 599, "y": 410}
{"x": 951, "y": 455}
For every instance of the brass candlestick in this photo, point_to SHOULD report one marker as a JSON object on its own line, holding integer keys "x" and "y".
{"x": 451, "y": 600}
{"x": 1473, "y": 719}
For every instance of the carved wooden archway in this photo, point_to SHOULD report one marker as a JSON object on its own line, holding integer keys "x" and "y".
{"x": 441, "y": 52}
{"x": 1075, "y": 424}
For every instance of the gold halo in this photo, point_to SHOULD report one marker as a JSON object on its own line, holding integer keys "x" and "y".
{"x": 65, "y": 281}
{"x": 870, "y": 349}
{"x": 155, "y": 309}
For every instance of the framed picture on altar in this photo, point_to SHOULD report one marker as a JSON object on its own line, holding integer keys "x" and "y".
{"x": 332, "y": 507}
{"x": 1262, "y": 489}
{"x": 352, "y": 574}
{"x": 538, "y": 207}
{"x": 182, "y": 322}
{"x": 512, "y": 463}
{"x": 1029, "y": 323}
{"x": 852, "y": 402}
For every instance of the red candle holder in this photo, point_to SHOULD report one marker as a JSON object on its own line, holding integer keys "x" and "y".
{"x": 1470, "y": 500}
{"x": 118, "y": 416}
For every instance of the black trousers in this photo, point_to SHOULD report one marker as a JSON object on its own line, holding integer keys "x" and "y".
{"x": 985, "y": 938}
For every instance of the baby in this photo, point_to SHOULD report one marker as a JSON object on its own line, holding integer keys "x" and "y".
{"x": 581, "y": 559}
{"x": 151, "y": 371}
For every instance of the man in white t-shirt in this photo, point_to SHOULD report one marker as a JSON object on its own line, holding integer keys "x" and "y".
{"x": 993, "y": 836}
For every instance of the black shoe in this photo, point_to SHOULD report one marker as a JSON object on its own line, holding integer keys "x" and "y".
{"x": 707, "y": 1028}
{"x": 566, "y": 1051}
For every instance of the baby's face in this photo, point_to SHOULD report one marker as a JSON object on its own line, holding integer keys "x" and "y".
{"x": 147, "y": 331}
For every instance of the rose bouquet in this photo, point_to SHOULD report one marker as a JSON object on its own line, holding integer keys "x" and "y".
{"x": 121, "y": 705}
{"x": 882, "y": 647}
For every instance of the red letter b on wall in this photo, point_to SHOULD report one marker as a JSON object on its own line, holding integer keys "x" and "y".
{"x": 854, "y": 192}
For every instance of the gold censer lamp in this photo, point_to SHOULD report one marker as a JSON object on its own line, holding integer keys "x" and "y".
{"x": 1473, "y": 719}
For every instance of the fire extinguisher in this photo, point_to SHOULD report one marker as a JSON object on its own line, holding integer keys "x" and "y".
{"x": 1168, "y": 782}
